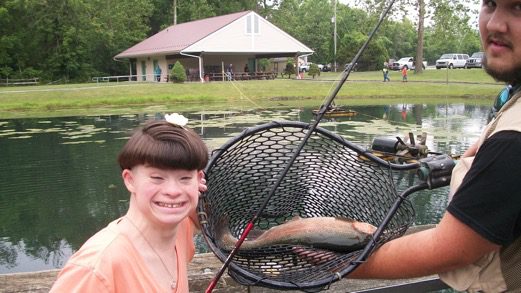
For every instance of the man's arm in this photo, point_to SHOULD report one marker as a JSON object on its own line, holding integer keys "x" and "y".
{"x": 450, "y": 245}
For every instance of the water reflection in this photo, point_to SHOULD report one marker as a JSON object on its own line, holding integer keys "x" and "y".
{"x": 60, "y": 181}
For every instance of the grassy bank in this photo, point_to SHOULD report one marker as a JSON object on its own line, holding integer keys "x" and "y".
{"x": 362, "y": 87}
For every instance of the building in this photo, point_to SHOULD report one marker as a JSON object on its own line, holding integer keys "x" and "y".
{"x": 210, "y": 45}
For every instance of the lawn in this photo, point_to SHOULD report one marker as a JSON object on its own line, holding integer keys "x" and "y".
{"x": 361, "y": 87}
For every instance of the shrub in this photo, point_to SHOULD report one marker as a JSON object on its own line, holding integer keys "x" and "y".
{"x": 290, "y": 68}
{"x": 178, "y": 74}
{"x": 263, "y": 64}
{"x": 313, "y": 70}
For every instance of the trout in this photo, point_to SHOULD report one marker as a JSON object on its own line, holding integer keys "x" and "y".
{"x": 336, "y": 234}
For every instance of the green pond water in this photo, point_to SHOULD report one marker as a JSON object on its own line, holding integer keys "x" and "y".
{"x": 60, "y": 182}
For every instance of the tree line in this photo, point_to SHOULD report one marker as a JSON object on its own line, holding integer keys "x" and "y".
{"x": 73, "y": 40}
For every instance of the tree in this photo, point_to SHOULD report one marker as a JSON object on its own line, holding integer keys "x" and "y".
{"x": 418, "y": 61}
{"x": 441, "y": 11}
{"x": 451, "y": 32}
{"x": 178, "y": 74}
{"x": 313, "y": 70}
{"x": 263, "y": 64}
{"x": 401, "y": 36}
{"x": 290, "y": 68}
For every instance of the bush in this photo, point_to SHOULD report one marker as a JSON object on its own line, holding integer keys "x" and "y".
{"x": 5, "y": 71}
{"x": 263, "y": 64}
{"x": 30, "y": 72}
{"x": 178, "y": 74}
{"x": 290, "y": 68}
{"x": 313, "y": 70}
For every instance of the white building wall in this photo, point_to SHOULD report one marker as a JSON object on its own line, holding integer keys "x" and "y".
{"x": 235, "y": 38}
{"x": 149, "y": 67}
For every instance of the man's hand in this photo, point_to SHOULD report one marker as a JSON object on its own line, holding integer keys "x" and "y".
{"x": 471, "y": 151}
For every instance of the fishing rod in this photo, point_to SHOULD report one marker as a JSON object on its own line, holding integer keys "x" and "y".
{"x": 319, "y": 116}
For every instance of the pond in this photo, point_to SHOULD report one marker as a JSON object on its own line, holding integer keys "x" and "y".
{"x": 60, "y": 181}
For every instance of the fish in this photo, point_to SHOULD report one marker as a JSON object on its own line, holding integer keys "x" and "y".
{"x": 331, "y": 233}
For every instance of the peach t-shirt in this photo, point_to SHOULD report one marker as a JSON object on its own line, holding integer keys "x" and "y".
{"x": 108, "y": 262}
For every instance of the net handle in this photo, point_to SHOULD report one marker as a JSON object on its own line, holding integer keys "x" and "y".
{"x": 321, "y": 113}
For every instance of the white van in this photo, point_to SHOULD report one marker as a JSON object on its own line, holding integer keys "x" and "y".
{"x": 453, "y": 60}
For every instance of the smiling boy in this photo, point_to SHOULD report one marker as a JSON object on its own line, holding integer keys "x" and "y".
{"x": 148, "y": 249}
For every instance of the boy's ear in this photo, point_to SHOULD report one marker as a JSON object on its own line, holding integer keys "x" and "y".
{"x": 200, "y": 175}
{"x": 202, "y": 182}
{"x": 128, "y": 179}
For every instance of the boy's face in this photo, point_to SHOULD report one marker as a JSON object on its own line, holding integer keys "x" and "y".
{"x": 164, "y": 197}
{"x": 500, "y": 30}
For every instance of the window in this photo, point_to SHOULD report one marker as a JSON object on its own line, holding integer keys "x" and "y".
{"x": 252, "y": 24}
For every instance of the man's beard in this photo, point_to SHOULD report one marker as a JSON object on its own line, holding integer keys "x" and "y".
{"x": 512, "y": 76}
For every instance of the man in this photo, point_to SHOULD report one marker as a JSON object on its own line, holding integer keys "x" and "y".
{"x": 229, "y": 72}
{"x": 477, "y": 244}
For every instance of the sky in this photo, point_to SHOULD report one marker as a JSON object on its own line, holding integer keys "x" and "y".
{"x": 473, "y": 20}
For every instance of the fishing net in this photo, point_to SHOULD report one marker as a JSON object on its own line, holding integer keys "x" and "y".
{"x": 330, "y": 177}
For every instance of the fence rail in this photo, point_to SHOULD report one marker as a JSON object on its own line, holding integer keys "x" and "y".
{"x": 135, "y": 77}
{"x": 15, "y": 82}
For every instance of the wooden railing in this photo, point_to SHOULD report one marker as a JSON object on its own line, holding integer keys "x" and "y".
{"x": 15, "y": 82}
{"x": 240, "y": 76}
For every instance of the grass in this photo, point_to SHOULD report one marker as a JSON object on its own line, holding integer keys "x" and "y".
{"x": 433, "y": 75}
{"x": 125, "y": 97}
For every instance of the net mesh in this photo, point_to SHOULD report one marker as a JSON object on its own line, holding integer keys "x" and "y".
{"x": 329, "y": 178}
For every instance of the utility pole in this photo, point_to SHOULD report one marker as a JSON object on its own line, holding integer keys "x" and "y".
{"x": 175, "y": 12}
{"x": 334, "y": 32}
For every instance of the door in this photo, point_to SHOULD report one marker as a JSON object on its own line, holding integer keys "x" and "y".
{"x": 251, "y": 65}
{"x": 143, "y": 70}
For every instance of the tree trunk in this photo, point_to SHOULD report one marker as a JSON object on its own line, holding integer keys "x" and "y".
{"x": 419, "y": 48}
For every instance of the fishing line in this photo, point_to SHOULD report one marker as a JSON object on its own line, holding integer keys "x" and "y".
{"x": 244, "y": 95}
{"x": 335, "y": 80}
{"x": 297, "y": 151}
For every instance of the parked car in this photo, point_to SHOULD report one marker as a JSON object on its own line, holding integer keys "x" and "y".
{"x": 475, "y": 60}
{"x": 327, "y": 68}
{"x": 355, "y": 68}
{"x": 405, "y": 62}
{"x": 452, "y": 60}
{"x": 304, "y": 67}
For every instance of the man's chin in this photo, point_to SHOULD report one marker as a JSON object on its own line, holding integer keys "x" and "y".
{"x": 510, "y": 75}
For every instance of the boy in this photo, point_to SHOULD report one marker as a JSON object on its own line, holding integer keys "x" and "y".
{"x": 148, "y": 249}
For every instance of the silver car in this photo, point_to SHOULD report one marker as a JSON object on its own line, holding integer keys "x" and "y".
{"x": 453, "y": 60}
{"x": 475, "y": 60}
